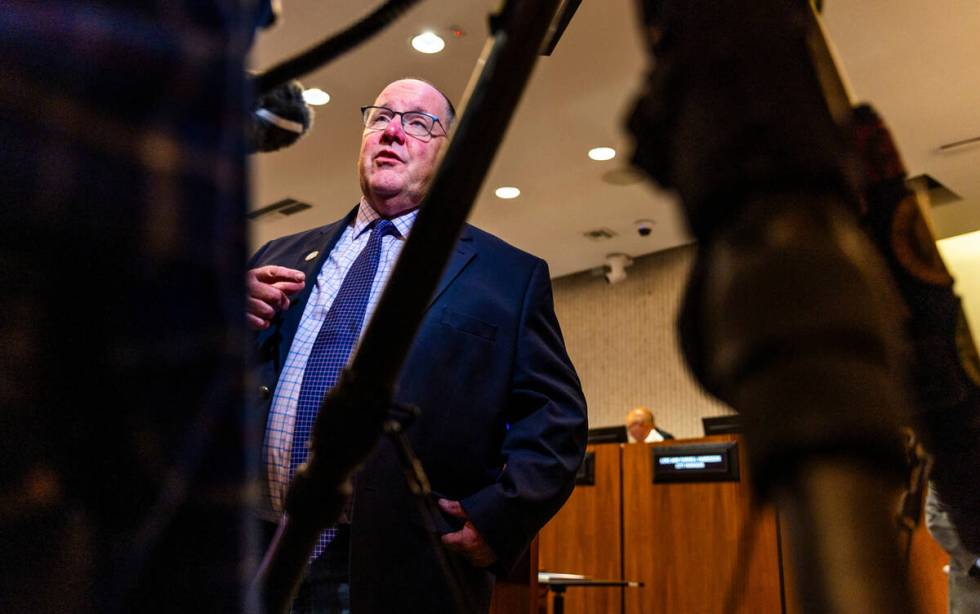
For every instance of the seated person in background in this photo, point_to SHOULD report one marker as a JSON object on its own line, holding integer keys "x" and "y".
{"x": 641, "y": 427}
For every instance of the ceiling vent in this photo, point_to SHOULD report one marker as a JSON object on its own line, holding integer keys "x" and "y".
{"x": 623, "y": 176}
{"x": 279, "y": 209}
{"x": 599, "y": 234}
{"x": 939, "y": 194}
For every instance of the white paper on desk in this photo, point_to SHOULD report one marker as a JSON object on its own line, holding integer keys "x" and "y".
{"x": 547, "y": 576}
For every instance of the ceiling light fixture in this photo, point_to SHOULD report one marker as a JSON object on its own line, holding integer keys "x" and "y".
{"x": 316, "y": 96}
{"x": 507, "y": 192}
{"x": 602, "y": 153}
{"x": 428, "y": 42}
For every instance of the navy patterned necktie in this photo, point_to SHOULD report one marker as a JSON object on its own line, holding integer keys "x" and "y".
{"x": 332, "y": 347}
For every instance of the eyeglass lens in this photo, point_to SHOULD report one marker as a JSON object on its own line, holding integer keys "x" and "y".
{"x": 414, "y": 123}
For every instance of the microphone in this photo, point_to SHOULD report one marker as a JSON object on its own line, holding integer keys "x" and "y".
{"x": 280, "y": 118}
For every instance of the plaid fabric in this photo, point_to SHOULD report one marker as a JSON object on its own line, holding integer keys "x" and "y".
{"x": 121, "y": 251}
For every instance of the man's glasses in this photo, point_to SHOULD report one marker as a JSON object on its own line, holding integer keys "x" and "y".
{"x": 414, "y": 123}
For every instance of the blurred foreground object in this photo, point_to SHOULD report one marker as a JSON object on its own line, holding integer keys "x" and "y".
{"x": 279, "y": 119}
{"x": 790, "y": 315}
{"x": 945, "y": 368}
{"x": 122, "y": 445}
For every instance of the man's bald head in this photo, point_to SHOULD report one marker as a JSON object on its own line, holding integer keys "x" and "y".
{"x": 395, "y": 166}
{"x": 639, "y": 423}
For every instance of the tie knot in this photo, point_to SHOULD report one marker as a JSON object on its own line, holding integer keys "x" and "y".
{"x": 383, "y": 228}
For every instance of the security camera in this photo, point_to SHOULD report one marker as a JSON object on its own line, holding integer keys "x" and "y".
{"x": 616, "y": 267}
{"x": 644, "y": 227}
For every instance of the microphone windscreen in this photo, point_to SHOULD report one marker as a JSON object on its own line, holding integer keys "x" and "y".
{"x": 279, "y": 119}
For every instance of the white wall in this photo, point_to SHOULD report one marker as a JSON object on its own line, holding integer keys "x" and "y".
{"x": 623, "y": 342}
{"x": 962, "y": 257}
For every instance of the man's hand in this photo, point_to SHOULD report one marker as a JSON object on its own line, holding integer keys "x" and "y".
{"x": 269, "y": 288}
{"x": 467, "y": 541}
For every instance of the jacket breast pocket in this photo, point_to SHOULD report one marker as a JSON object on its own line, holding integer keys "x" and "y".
{"x": 469, "y": 324}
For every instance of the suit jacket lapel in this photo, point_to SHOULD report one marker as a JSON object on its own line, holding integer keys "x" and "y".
{"x": 461, "y": 256}
{"x": 322, "y": 242}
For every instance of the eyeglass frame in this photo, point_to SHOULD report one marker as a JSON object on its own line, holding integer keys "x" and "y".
{"x": 401, "y": 118}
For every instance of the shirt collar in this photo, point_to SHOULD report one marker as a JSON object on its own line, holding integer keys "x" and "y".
{"x": 366, "y": 216}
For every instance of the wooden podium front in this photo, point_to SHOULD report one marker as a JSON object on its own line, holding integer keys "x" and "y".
{"x": 682, "y": 540}
{"x": 585, "y": 536}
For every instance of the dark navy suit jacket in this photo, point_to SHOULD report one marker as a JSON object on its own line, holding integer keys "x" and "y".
{"x": 503, "y": 423}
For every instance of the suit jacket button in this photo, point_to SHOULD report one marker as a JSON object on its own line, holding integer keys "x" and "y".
{"x": 264, "y": 392}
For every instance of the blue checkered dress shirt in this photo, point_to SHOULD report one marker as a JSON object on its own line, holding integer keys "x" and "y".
{"x": 280, "y": 426}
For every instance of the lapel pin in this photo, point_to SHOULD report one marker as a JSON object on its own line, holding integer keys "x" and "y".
{"x": 312, "y": 255}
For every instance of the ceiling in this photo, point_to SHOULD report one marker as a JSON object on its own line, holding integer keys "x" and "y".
{"x": 915, "y": 60}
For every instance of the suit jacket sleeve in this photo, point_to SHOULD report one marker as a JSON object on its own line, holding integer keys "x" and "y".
{"x": 545, "y": 440}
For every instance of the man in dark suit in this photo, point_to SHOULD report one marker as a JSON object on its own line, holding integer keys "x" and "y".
{"x": 503, "y": 422}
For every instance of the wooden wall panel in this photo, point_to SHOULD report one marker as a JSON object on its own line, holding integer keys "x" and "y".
{"x": 682, "y": 541}
{"x": 584, "y": 537}
{"x": 518, "y": 592}
{"x": 926, "y": 571}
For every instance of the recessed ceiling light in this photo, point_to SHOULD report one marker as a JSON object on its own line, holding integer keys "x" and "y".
{"x": 602, "y": 153}
{"x": 507, "y": 192}
{"x": 316, "y": 96}
{"x": 428, "y": 42}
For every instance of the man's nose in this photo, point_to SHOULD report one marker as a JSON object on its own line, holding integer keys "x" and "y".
{"x": 394, "y": 132}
